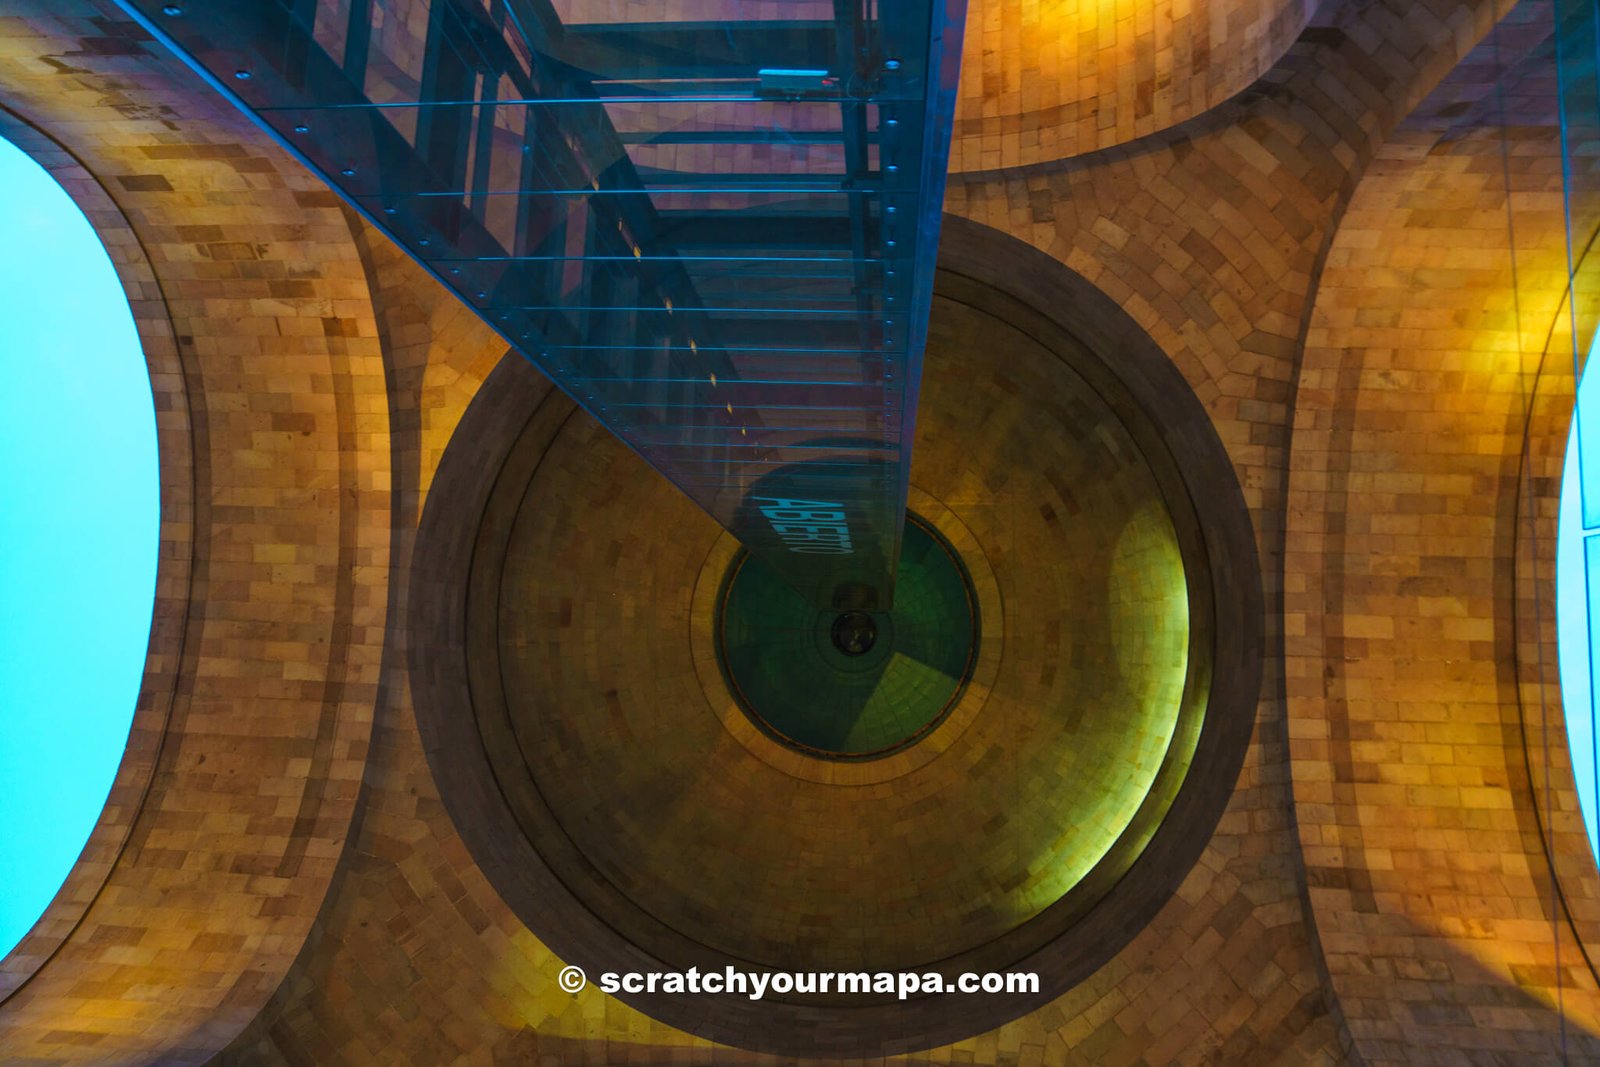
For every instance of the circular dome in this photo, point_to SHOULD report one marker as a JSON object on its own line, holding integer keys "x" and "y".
{"x": 660, "y": 817}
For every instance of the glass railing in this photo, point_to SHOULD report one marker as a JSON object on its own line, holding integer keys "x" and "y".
{"x": 711, "y": 222}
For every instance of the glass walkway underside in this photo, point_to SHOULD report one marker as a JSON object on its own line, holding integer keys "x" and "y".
{"x": 712, "y": 222}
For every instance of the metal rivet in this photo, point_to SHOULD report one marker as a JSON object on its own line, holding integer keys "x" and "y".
{"x": 242, "y": 75}
{"x": 172, "y": 9}
{"x": 302, "y": 128}
{"x": 891, "y": 64}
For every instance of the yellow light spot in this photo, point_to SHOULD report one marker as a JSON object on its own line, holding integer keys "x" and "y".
{"x": 713, "y": 379}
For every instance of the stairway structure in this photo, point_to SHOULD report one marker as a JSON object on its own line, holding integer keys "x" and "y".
{"x": 711, "y": 222}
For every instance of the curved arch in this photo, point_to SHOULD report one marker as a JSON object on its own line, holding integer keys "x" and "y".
{"x": 1429, "y": 883}
{"x": 1047, "y": 81}
{"x": 250, "y": 741}
{"x": 175, "y": 563}
{"x": 1552, "y": 788}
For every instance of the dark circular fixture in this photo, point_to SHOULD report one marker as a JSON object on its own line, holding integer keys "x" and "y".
{"x": 851, "y": 685}
{"x": 854, "y": 632}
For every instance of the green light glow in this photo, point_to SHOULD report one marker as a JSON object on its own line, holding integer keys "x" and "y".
{"x": 1147, "y": 624}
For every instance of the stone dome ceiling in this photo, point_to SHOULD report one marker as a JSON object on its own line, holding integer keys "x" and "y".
{"x": 624, "y": 761}
{"x": 1049, "y": 80}
{"x": 1400, "y": 873}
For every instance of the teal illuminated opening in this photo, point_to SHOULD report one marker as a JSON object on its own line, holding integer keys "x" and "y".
{"x": 79, "y": 531}
{"x": 713, "y": 225}
{"x": 1578, "y": 596}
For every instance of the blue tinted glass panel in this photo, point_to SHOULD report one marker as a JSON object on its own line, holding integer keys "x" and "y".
{"x": 711, "y": 222}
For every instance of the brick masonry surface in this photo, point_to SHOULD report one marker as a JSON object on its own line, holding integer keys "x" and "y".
{"x": 1330, "y": 280}
{"x": 1043, "y": 80}
{"x": 273, "y": 571}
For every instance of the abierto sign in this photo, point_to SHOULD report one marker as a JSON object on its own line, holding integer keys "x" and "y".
{"x": 810, "y": 527}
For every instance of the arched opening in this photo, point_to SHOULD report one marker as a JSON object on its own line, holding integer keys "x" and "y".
{"x": 79, "y": 530}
